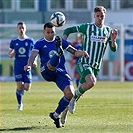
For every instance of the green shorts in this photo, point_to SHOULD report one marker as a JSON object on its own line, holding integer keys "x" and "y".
{"x": 84, "y": 69}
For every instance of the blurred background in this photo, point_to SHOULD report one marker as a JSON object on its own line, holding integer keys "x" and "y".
{"x": 116, "y": 66}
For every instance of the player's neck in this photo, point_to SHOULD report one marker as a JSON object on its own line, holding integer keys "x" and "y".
{"x": 22, "y": 36}
{"x": 99, "y": 25}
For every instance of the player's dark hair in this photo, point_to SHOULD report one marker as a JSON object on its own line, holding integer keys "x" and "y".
{"x": 48, "y": 25}
{"x": 20, "y": 23}
{"x": 99, "y": 9}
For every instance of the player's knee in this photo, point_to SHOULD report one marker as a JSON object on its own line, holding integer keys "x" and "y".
{"x": 27, "y": 87}
{"x": 92, "y": 83}
{"x": 69, "y": 96}
{"x": 69, "y": 92}
{"x": 50, "y": 67}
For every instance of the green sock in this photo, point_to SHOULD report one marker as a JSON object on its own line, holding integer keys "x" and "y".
{"x": 78, "y": 92}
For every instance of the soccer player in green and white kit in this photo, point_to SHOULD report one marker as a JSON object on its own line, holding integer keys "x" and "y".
{"x": 96, "y": 37}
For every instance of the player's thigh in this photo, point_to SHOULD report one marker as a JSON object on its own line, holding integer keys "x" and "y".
{"x": 47, "y": 74}
{"x": 63, "y": 79}
{"x": 18, "y": 76}
{"x": 86, "y": 72}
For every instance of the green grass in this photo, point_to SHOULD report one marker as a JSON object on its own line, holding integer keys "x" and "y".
{"x": 107, "y": 108}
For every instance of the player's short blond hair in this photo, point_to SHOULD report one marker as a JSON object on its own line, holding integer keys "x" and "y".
{"x": 99, "y": 9}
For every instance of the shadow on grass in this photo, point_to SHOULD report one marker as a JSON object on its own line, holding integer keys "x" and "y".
{"x": 20, "y": 129}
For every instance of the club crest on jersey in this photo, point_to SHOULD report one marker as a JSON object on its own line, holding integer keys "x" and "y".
{"x": 21, "y": 50}
{"x": 51, "y": 53}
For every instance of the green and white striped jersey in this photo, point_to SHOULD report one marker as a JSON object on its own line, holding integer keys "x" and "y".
{"x": 95, "y": 41}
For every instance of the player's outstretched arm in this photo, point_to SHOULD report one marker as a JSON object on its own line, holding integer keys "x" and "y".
{"x": 31, "y": 60}
{"x": 77, "y": 53}
{"x": 64, "y": 36}
{"x": 80, "y": 53}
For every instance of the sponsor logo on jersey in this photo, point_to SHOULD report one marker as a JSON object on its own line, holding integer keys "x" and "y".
{"x": 98, "y": 38}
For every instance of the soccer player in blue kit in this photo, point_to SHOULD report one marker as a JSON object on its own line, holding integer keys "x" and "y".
{"x": 20, "y": 48}
{"x": 50, "y": 49}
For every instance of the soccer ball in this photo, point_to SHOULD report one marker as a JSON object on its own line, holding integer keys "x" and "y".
{"x": 58, "y": 19}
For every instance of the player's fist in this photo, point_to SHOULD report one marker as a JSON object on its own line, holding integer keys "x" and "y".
{"x": 34, "y": 64}
{"x": 113, "y": 34}
{"x": 86, "y": 55}
{"x": 27, "y": 68}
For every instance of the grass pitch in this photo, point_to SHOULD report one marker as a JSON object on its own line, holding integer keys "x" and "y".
{"x": 107, "y": 108}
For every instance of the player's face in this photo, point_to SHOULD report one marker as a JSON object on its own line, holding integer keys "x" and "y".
{"x": 49, "y": 33}
{"x": 99, "y": 18}
{"x": 21, "y": 29}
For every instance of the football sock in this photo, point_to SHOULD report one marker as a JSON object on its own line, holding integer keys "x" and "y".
{"x": 78, "y": 92}
{"x": 54, "y": 61}
{"x": 63, "y": 103}
{"x": 56, "y": 115}
{"x": 19, "y": 96}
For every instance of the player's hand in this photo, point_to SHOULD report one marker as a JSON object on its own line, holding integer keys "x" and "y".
{"x": 11, "y": 54}
{"x": 114, "y": 34}
{"x": 27, "y": 68}
{"x": 86, "y": 55}
{"x": 35, "y": 64}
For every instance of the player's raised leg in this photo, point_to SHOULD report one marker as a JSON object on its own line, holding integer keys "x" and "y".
{"x": 59, "y": 48}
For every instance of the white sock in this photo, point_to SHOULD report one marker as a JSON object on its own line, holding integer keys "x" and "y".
{"x": 56, "y": 115}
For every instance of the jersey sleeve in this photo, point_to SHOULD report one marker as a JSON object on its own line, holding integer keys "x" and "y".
{"x": 70, "y": 30}
{"x": 32, "y": 43}
{"x": 65, "y": 43}
{"x": 79, "y": 28}
{"x": 11, "y": 45}
{"x": 36, "y": 46}
{"x": 82, "y": 28}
